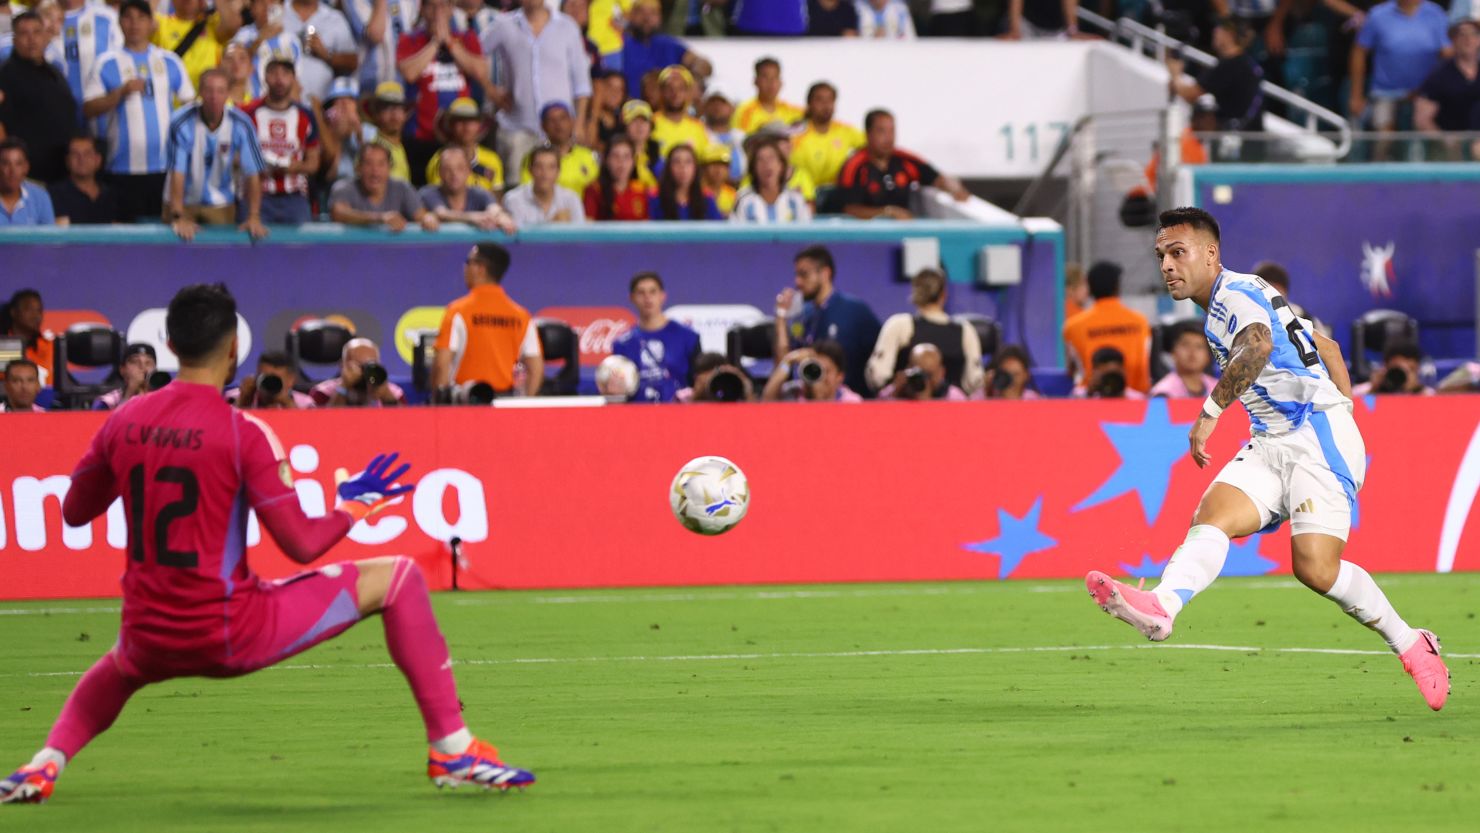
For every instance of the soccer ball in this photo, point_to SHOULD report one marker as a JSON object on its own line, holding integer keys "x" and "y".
{"x": 709, "y": 495}
{"x": 616, "y": 376}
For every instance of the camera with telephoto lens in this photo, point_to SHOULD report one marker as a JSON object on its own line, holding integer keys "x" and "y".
{"x": 810, "y": 371}
{"x": 269, "y": 387}
{"x": 725, "y": 385}
{"x": 916, "y": 383}
{"x": 1394, "y": 380}
{"x": 1111, "y": 385}
{"x": 1001, "y": 382}
{"x": 158, "y": 379}
{"x": 467, "y": 393}
{"x": 372, "y": 375}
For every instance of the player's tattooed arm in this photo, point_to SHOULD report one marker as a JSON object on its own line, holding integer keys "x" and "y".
{"x": 1251, "y": 349}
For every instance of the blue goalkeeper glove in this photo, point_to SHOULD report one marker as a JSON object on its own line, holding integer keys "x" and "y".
{"x": 374, "y": 488}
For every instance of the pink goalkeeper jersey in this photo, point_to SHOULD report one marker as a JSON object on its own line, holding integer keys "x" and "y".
{"x": 188, "y": 467}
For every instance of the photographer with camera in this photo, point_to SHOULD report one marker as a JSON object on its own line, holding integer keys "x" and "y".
{"x": 812, "y": 374}
{"x": 960, "y": 346}
{"x": 716, "y": 380}
{"x": 1010, "y": 375}
{"x": 813, "y": 309}
{"x": 1107, "y": 379}
{"x": 137, "y": 370}
{"x": 362, "y": 381}
{"x": 924, "y": 378}
{"x": 272, "y": 387}
{"x": 1401, "y": 372}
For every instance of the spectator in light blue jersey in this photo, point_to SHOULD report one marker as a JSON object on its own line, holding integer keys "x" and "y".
{"x": 22, "y": 203}
{"x": 89, "y": 31}
{"x": 137, "y": 88}
{"x": 663, "y": 350}
{"x": 213, "y": 147}
{"x": 1405, "y": 39}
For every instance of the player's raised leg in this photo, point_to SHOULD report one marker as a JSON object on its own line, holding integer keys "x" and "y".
{"x": 1316, "y": 559}
{"x": 1225, "y": 512}
{"x": 396, "y": 588}
{"x": 91, "y": 708}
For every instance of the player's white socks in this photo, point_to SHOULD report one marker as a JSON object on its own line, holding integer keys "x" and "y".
{"x": 50, "y": 756}
{"x": 1365, "y": 602}
{"x": 455, "y": 743}
{"x": 1193, "y": 567}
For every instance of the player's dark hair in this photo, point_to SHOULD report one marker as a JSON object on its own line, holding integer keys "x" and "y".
{"x": 1104, "y": 279}
{"x": 1106, "y": 355}
{"x": 1188, "y": 216}
{"x": 767, "y": 61}
{"x": 834, "y": 351}
{"x": 495, "y": 260}
{"x": 819, "y": 87}
{"x": 1274, "y": 274}
{"x": 1402, "y": 350}
{"x": 275, "y": 358}
{"x": 873, "y": 116}
{"x": 23, "y": 363}
{"x": 200, "y": 318}
{"x": 705, "y": 362}
{"x": 644, "y": 276}
{"x": 820, "y": 256}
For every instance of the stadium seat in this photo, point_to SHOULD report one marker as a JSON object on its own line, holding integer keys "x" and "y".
{"x": 988, "y": 331}
{"x": 559, "y": 342}
{"x": 317, "y": 342}
{"x": 752, "y": 341}
{"x": 1371, "y": 335}
{"x": 86, "y": 346}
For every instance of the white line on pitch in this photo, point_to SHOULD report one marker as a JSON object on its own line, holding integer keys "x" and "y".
{"x": 900, "y": 652}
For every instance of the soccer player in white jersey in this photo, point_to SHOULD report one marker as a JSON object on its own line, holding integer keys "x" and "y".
{"x": 1304, "y": 464}
{"x": 137, "y": 88}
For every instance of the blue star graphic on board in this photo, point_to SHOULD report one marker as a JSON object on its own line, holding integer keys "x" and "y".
{"x": 1148, "y": 568}
{"x": 1017, "y": 538}
{"x": 1147, "y": 452}
{"x": 1244, "y": 559}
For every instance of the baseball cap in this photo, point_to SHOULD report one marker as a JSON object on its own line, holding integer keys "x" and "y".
{"x": 136, "y": 5}
{"x": 716, "y": 154}
{"x": 636, "y": 109}
{"x": 463, "y": 107}
{"x": 390, "y": 92}
{"x": 676, "y": 69}
{"x": 139, "y": 347}
{"x": 342, "y": 88}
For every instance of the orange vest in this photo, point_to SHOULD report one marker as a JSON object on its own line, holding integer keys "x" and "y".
{"x": 1109, "y": 323}
{"x": 484, "y": 329}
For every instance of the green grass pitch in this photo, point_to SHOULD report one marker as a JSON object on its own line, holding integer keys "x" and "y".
{"x": 930, "y": 707}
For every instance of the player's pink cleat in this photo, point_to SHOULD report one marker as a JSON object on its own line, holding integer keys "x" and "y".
{"x": 1138, "y": 608}
{"x": 30, "y": 784}
{"x": 1426, "y": 667}
{"x": 479, "y": 765}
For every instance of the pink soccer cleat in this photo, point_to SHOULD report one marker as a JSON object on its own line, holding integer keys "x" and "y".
{"x": 1138, "y": 608}
{"x": 1426, "y": 667}
{"x": 30, "y": 784}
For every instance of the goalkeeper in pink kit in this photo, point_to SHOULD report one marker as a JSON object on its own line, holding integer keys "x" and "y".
{"x": 189, "y": 467}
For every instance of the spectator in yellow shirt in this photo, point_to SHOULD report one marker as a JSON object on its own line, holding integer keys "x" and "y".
{"x": 824, "y": 145}
{"x": 578, "y": 164}
{"x": 637, "y": 117}
{"x": 673, "y": 125}
{"x": 216, "y": 29}
{"x": 605, "y": 20}
{"x": 767, "y": 106}
{"x": 388, "y": 113}
{"x": 716, "y": 175}
{"x": 465, "y": 127}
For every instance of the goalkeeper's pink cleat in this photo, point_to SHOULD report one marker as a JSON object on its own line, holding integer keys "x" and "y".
{"x": 1138, "y": 608}
{"x": 1426, "y": 667}
{"x": 30, "y": 784}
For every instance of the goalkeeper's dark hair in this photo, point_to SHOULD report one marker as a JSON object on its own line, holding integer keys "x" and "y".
{"x": 1188, "y": 216}
{"x": 201, "y": 317}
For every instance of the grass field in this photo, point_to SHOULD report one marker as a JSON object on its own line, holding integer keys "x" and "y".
{"x": 980, "y": 707}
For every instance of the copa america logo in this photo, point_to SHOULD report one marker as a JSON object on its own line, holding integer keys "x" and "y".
{"x": 1377, "y": 269}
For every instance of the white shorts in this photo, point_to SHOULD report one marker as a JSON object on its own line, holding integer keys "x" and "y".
{"x": 1310, "y": 476}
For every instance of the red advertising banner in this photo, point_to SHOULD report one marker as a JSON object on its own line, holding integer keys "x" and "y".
{"x": 578, "y": 497}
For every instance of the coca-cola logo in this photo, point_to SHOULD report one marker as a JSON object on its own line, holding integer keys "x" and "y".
{"x": 597, "y": 327}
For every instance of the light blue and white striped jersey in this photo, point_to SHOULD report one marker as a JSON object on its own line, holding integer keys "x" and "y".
{"x": 893, "y": 22}
{"x": 378, "y": 60}
{"x": 211, "y": 160}
{"x": 789, "y": 207}
{"x": 1293, "y": 383}
{"x": 88, "y": 34}
{"x": 280, "y": 44}
{"x": 138, "y": 131}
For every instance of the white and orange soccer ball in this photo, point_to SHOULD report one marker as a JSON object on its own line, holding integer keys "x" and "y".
{"x": 710, "y": 495}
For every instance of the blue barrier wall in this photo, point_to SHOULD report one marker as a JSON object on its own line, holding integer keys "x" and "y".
{"x": 375, "y": 278}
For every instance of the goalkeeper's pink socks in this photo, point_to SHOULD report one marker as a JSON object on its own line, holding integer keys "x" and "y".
{"x": 92, "y": 707}
{"x": 1193, "y": 567}
{"x": 418, "y": 649}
